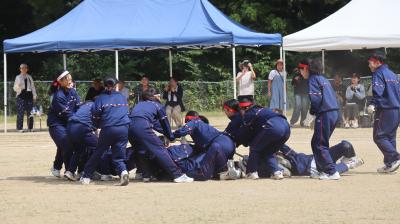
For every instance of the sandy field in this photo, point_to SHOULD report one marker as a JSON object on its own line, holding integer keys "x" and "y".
{"x": 29, "y": 194}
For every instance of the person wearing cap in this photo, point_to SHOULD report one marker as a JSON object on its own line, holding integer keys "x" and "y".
{"x": 147, "y": 116}
{"x": 269, "y": 131}
{"x": 110, "y": 114}
{"x": 276, "y": 81}
{"x": 386, "y": 104}
{"x": 355, "y": 98}
{"x": 63, "y": 106}
{"x": 208, "y": 139}
{"x": 81, "y": 132}
{"x": 325, "y": 108}
{"x": 26, "y": 96}
{"x": 245, "y": 79}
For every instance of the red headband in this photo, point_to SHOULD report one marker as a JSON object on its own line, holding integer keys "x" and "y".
{"x": 302, "y": 66}
{"x": 188, "y": 118}
{"x": 245, "y": 104}
{"x": 226, "y": 107}
{"x": 374, "y": 59}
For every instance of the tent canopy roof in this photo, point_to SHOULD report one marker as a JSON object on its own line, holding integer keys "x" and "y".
{"x": 121, "y": 24}
{"x": 359, "y": 24}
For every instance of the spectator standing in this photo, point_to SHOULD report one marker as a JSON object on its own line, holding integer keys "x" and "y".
{"x": 26, "y": 96}
{"x": 355, "y": 98}
{"x": 276, "y": 80}
{"x": 245, "y": 80}
{"x": 95, "y": 90}
{"x": 143, "y": 86}
{"x": 340, "y": 90}
{"x": 302, "y": 101}
{"x": 173, "y": 94}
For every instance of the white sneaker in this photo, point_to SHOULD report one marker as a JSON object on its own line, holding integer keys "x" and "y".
{"x": 233, "y": 173}
{"x": 346, "y": 125}
{"x": 70, "y": 176}
{"x": 85, "y": 180}
{"x": 242, "y": 165}
{"x": 390, "y": 169}
{"x": 79, "y": 175}
{"x": 106, "y": 177}
{"x": 55, "y": 172}
{"x": 183, "y": 179}
{"x": 284, "y": 162}
{"x": 324, "y": 176}
{"x": 124, "y": 179}
{"x": 277, "y": 175}
{"x": 286, "y": 172}
{"x": 354, "y": 162}
{"x": 252, "y": 176}
{"x": 354, "y": 124}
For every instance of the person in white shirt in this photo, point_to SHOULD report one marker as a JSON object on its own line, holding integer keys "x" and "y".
{"x": 275, "y": 86}
{"x": 245, "y": 80}
{"x": 26, "y": 96}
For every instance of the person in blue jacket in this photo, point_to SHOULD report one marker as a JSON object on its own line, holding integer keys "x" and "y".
{"x": 269, "y": 131}
{"x": 143, "y": 120}
{"x": 110, "y": 114}
{"x": 216, "y": 147}
{"x": 62, "y": 107}
{"x": 81, "y": 132}
{"x": 235, "y": 129}
{"x": 325, "y": 108}
{"x": 386, "y": 104}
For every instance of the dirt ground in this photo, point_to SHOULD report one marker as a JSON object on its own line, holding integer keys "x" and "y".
{"x": 29, "y": 194}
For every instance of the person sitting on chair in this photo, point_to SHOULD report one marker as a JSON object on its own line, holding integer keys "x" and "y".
{"x": 355, "y": 96}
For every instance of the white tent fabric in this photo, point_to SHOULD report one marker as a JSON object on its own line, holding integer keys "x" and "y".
{"x": 359, "y": 24}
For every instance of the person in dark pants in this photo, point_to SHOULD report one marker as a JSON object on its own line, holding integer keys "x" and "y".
{"x": 62, "y": 107}
{"x": 95, "y": 90}
{"x": 81, "y": 132}
{"x": 143, "y": 86}
{"x": 386, "y": 104}
{"x": 110, "y": 114}
{"x": 340, "y": 90}
{"x": 355, "y": 99}
{"x": 325, "y": 108}
{"x": 301, "y": 100}
{"x": 144, "y": 118}
{"x": 26, "y": 96}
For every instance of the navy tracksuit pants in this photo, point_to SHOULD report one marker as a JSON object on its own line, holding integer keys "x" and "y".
{"x": 225, "y": 143}
{"x": 142, "y": 133}
{"x": 59, "y": 135}
{"x": 115, "y": 137}
{"x": 24, "y": 106}
{"x": 325, "y": 123}
{"x": 266, "y": 143}
{"x": 83, "y": 141}
{"x": 385, "y": 130}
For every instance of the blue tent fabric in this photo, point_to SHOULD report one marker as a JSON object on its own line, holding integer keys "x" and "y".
{"x": 138, "y": 24}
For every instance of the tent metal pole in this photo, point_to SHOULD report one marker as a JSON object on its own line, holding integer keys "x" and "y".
{"x": 323, "y": 61}
{"x": 116, "y": 65}
{"x": 5, "y": 91}
{"x": 234, "y": 70}
{"x": 170, "y": 63}
{"x": 283, "y": 57}
{"x": 65, "y": 61}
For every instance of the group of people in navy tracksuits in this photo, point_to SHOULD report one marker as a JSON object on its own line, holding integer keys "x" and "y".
{"x": 87, "y": 154}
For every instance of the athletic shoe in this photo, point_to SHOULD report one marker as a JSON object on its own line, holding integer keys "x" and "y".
{"x": 183, "y": 179}
{"x": 149, "y": 179}
{"x": 346, "y": 125}
{"x": 391, "y": 168}
{"x": 324, "y": 176}
{"x": 55, "y": 172}
{"x": 138, "y": 176}
{"x": 79, "y": 175}
{"x": 233, "y": 173}
{"x": 106, "y": 178}
{"x": 242, "y": 165}
{"x": 284, "y": 162}
{"x": 286, "y": 172}
{"x": 277, "y": 175}
{"x": 252, "y": 176}
{"x": 315, "y": 175}
{"x": 85, "y": 180}
{"x": 96, "y": 175}
{"x": 124, "y": 179}
{"x": 70, "y": 176}
{"x": 20, "y": 131}
{"x": 354, "y": 124}
{"x": 354, "y": 162}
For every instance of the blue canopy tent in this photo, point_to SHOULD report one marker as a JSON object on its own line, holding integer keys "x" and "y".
{"x": 114, "y": 25}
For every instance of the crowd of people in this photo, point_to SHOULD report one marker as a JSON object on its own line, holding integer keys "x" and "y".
{"x": 92, "y": 136}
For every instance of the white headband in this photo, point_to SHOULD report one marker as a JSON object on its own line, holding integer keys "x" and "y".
{"x": 65, "y": 73}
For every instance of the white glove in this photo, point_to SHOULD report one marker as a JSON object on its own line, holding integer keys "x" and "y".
{"x": 371, "y": 109}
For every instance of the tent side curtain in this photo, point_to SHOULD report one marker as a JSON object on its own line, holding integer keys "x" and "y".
{"x": 151, "y": 24}
{"x": 359, "y": 24}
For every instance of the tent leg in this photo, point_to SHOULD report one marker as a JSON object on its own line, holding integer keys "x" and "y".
{"x": 283, "y": 57}
{"x": 170, "y": 63}
{"x": 65, "y": 61}
{"x": 5, "y": 92}
{"x": 234, "y": 70}
{"x": 323, "y": 61}
{"x": 116, "y": 65}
